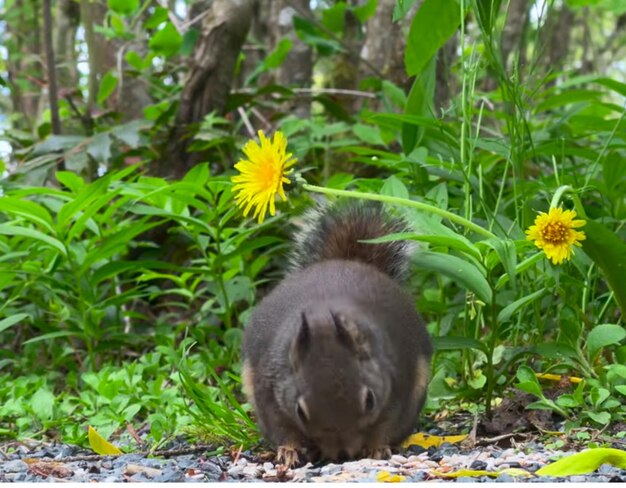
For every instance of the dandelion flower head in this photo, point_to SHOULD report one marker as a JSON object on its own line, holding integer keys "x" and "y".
{"x": 262, "y": 175}
{"x": 555, "y": 232}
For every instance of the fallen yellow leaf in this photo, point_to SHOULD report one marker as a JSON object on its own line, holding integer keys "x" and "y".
{"x": 557, "y": 377}
{"x": 427, "y": 440}
{"x": 387, "y": 477}
{"x": 100, "y": 445}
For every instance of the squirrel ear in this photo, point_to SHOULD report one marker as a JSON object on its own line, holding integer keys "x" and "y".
{"x": 301, "y": 343}
{"x": 350, "y": 335}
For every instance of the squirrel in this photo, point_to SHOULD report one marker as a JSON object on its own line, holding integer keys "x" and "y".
{"x": 336, "y": 359}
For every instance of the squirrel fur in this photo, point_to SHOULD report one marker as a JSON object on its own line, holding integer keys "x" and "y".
{"x": 335, "y": 358}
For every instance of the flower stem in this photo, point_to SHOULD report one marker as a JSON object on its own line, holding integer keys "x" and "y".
{"x": 404, "y": 202}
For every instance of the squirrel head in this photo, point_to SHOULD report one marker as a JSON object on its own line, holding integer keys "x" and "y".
{"x": 340, "y": 386}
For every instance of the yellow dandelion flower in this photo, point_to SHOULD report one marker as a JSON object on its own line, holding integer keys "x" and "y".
{"x": 555, "y": 233}
{"x": 262, "y": 175}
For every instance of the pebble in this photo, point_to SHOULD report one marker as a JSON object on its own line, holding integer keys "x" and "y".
{"x": 414, "y": 465}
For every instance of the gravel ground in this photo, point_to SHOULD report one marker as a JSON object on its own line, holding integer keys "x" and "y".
{"x": 69, "y": 463}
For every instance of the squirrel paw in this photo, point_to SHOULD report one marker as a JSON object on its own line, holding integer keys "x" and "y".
{"x": 383, "y": 452}
{"x": 287, "y": 455}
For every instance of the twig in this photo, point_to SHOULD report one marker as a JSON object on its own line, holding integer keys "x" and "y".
{"x": 246, "y": 121}
{"x": 498, "y": 438}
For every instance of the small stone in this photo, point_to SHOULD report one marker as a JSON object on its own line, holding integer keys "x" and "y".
{"x": 170, "y": 477}
{"x": 236, "y": 470}
{"x": 16, "y": 466}
{"x": 398, "y": 459}
{"x": 210, "y": 467}
{"x": 331, "y": 469}
{"x": 252, "y": 471}
{"x": 505, "y": 478}
{"x": 478, "y": 465}
{"x": 267, "y": 466}
{"x": 578, "y": 479}
{"x": 414, "y": 449}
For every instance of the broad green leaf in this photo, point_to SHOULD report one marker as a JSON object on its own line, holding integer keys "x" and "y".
{"x": 100, "y": 445}
{"x": 70, "y": 180}
{"x": 13, "y": 230}
{"x": 107, "y": 87}
{"x": 12, "y": 320}
{"x": 614, "y": 85}
{"x": 602, "y": 418}
{"x": 51, "y": 335}
{"x": 585, "y": 462}
{"x": 190, "y": 38}
{"x": 608, "y": 251}
{"x": 604, "y": 335}
{"x": 99, "y": 147}
{"x": 160, "y": 15}
{"x": 445, "y": 343}
{"x": 334, "y": 17}
{"x": 452, "y": 241}
{"x": 462, "y": 271}
{"x": 434, "y": 23}
{"x": 365, "y": 10}
{"x": 42, "y": 404}
{"x": 167, "y": 41}
{"x": 27, "y": 209}
{"x": 123, "y": 7}
{"x": 419, "y": 103}
{"x": 507, "y": 312}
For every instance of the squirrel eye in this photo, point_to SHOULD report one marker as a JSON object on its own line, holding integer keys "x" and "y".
{"x": 301, "y": 410}
{"x": 369, "y": 400}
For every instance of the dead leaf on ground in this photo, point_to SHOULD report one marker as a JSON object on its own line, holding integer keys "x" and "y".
{"x": 48, "y": 468}
{"x": 427, "y": 440}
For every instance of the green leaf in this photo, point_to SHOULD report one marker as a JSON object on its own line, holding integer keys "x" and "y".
{"x": 402, "y": 8}
{"x": 12, "y": 320}
{"x": 167, "y": 41}
{"x": 604, "y": 335}
{"x": 123, "y": 7}
{"x": 27, "y": 209}
{"x": 42, "y": 404}
{"x": 100, "y": 445}
{"x": 334, "y": 18}
{"x": 70, "y": 180}
{"x": 434, "y": 23}
{"x": 419, "y": 104}
{"x": 602, "y": 418}
{"x": 159, "y": 16}
{"x": 486, "y": 14}
{"x": 507, "y": 312}
{"x": 450, "y": 343}
{"x": 465, "y": 273}
{"x": 585, "y": 462}
{"x": 100, "y": 147}
{"x": 107, "y": 86}
{"x": 366, "y": 10}
{"x": 505, "y": 249}
{"x": 50, "y": 335}
{"x": 608, "y": 251}
{"x": 190, "y": 38}
{"x": 13, "y": 230}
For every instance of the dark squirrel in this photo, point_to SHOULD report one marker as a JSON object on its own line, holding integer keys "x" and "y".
{"x": 336, "y": 359}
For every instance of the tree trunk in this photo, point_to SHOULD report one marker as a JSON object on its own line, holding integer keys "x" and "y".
{"x": 24, "y": 67}
{"x": 67, "y": 21}
{"x": 209, "y": 78}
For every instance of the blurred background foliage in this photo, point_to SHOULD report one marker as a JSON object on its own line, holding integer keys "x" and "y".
{"x": 121, "y": 121}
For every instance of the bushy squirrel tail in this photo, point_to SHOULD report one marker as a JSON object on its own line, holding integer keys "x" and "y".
{"x": 334, "y": 232}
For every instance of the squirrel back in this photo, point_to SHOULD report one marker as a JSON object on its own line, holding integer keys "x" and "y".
{"x": 334, "y": 231}
{"x": 336, "y": 358}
